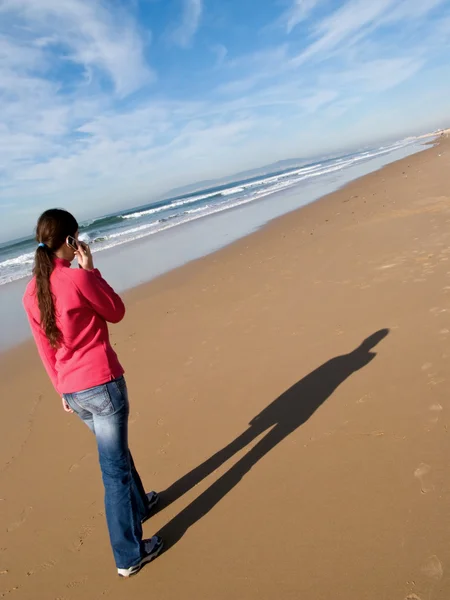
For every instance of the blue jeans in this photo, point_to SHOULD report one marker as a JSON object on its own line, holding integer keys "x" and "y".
{"x": 105, "y": 411}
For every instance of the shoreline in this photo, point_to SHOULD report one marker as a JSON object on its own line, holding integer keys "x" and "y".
{"x": 292, "y": 386}
{"x": 106, "y": 262}
{"x": 274, "y": 222}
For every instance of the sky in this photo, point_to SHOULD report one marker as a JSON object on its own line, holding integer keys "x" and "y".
{"x": 107, "y": 104}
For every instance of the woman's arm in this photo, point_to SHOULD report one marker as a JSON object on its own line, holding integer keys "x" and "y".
{"x": 91, "y": 285}
{"x": 100, "y": 295}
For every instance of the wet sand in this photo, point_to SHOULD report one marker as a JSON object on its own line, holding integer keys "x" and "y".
{"x": 295, "y": 460}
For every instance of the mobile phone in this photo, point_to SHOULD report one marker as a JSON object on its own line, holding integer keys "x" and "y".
{"x": 72, "y": 243}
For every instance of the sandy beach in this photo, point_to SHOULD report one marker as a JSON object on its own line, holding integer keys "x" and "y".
{"x": 289, "y": 400}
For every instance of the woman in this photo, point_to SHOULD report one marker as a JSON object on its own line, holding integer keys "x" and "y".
{"x": 68, "y": 310}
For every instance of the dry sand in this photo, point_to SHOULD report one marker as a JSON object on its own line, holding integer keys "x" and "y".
{"x": 297, "y": 463}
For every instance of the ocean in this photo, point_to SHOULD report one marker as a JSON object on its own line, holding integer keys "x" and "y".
{"x": 106, "y": 232}
{"x": 132, "y": 247}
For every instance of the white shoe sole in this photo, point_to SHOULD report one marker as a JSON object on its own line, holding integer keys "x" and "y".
{"x": 147, "y": 559}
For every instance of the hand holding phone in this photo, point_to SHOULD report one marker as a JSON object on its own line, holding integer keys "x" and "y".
{"x": 72, "y": 243}
{"x": 82, "y": 252}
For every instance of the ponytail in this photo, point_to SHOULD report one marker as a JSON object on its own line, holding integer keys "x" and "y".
{"x": 52, "y": 229}
{"x": 43, "y": 268}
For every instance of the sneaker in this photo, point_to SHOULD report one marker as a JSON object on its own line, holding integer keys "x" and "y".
{"x": 153, "y": 499}
{"x": 152, "y": 548}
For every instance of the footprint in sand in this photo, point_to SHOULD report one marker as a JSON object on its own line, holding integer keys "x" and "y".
{"x": 84, "y": 533}
{"x": 423, "y": 473}
{"x": 433, "y": 568}
{"x": 364, "y": 399}
{"x": 133, "y": 418}
{"x": 437, "y": 310}
{"x": 435, "y": 410}
{"x": 434, "y": 380}
{"x": 163, "y": 449}
{"x": 45, "y": 566}
{"x": 7, "y": 592}
{"x": 76, "y": 583}
{"x": 23, "y": 517}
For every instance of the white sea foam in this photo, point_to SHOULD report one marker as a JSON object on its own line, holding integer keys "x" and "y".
{"x": 179, "y": 213}
{"x": 18, "y": 260}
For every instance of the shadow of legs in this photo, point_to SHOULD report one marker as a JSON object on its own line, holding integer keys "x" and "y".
{"x": 191, "y": 479}
{"x": 173, "y": 531}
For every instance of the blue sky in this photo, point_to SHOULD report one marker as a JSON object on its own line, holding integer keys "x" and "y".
{"x": 108, "y": 104}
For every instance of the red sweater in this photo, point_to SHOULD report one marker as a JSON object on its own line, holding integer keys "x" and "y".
{"x": 84, "y": 303}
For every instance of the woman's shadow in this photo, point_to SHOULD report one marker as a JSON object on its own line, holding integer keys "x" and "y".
{"x": 283, "y": 416}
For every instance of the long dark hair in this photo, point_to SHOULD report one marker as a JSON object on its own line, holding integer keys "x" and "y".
{"x": 52, "y": 229}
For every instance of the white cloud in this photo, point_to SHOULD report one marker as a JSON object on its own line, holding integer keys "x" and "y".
{"x": 183, "y": 34}
{"x": 382, "y": 74}
{"x": 371, "y": 75}
{"x": 298, "y": 12}
{"x": 296, "y": 95}
{"x": 317, "y": 100}
{"x": 337, "y": 109}
{"x": 412, "y": 9}
{"x": 101, "y": 174}
{"x": 356, "y": 20}
{"x": 86, "y": 33}
{"x": 135, "y": 149}
{"x": 348, "y": 22}
{"x": 257, "y": 67}
{"x": 221, "y": 53}
{"x": 40, "y": 112}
